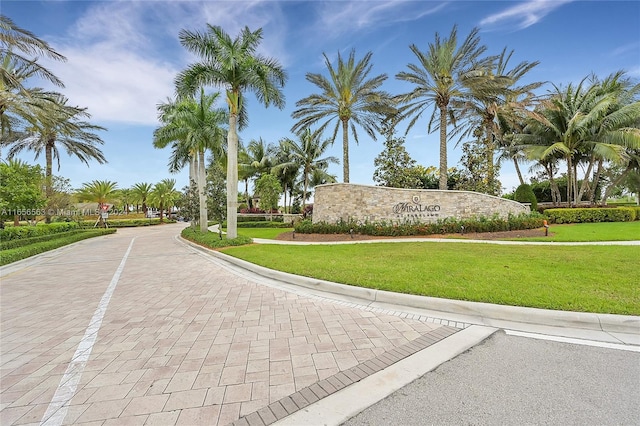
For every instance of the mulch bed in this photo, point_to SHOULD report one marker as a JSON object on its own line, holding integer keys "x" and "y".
{"x": 525, "y": 233}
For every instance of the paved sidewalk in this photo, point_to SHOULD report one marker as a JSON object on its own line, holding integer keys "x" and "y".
{"x": 138, "y": 328}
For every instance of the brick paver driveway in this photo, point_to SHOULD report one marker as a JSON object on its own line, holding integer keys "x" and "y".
{"x": 139, "y": 328}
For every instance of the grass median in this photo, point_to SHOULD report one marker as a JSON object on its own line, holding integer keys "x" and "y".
{"x": 600, "y": 279}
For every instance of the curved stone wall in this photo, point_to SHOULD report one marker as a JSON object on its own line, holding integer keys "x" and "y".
{"x": 346, "y": 201}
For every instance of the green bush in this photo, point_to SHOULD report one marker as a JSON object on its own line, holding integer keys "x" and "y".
{"x": 127, "y": 223}
{"x": 524, "y": 194}
{"x": 212, "y": 239}
{"x": 19, "y": 253}
{"x": 264, "y": 224}
{"x": 11, "y": 244}
{"x": 446, "y": 226}
{"x": 18, "y": 232}
{"x": 588, "y": 215}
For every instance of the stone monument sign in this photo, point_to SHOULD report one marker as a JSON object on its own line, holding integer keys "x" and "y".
{"x": 346, "y": 201}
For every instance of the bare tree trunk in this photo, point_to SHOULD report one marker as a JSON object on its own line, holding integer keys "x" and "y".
{"x": 585, "y": 181}
{"x": 202, "y": 195}
{"x": 443, "y": 149}
{"x": 193, "y": 173}
{"x": 232, "y": 177}
{"x": 517, "y": 166}
{"x": 345, "y": 151}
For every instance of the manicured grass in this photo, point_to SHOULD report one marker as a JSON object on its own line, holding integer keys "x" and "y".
{"x": 267, "y": 233}
{"x": 576, "y": 278}
{"x": 606, "y": 231}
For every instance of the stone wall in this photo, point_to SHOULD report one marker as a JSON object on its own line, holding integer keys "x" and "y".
{"x": 344, "y": 201}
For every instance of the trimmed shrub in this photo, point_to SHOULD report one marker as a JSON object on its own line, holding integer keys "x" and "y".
{"x": 524, "y": 194}
{"x": 18, "y": 232}
{"x": 446, "y": 226}
{"x": 591, "y": 215}
{"x": 59, "y": 240}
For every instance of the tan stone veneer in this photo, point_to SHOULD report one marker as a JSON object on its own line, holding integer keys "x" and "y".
{"x": 346, "y": 201}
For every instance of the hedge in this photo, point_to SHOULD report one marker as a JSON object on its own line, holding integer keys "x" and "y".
{"x": 447, "y": 226}
{"x": 593, "y": 215}
{"x": 18, "y": 232}
{"x": 125, "y": 223}
{"x": 212, "y": 239}
{"x": 20, "y": 242}
{"x": 19, "y": 253}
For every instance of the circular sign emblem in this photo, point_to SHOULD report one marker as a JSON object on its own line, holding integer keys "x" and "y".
{"x": 416, "y": 199}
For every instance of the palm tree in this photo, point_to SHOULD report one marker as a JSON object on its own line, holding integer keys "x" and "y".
{"x": 307, "y": 154}
{"x": 348, "y": 96}
{"x": 496, "y": 104}
{"x": 253, "y": 161}
{"x": 16, "y": 100}
{"x": 192, "y": 127}
{"x": 444, "y": 73}
{"x": 98, "y": 191}
{"x": 60, "y": 125}
{"x": 235, "y": 65}
{"x": 140, "y": 192}
{"x": 285, "y": 171}
{"x": 583, "y": 122}
{"x": 164, "y": 195}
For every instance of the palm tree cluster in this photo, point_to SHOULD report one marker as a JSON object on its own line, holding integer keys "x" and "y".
{"x": 33, "y": 119}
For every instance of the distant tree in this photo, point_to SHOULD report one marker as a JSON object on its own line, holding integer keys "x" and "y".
{"x": 349, "y": 97}
{"x": 393, "y": 165}
{"x": 164, "y": 195}
{"x": 98, "y": 191}
{"x": 268, "y": 189}
{"x": 474, "y": 176}
{"x": 216, "y": 191}
{"x": 308, "y": 153}
{"x": 21, "y": 191}
{"x": 141, "y": 193}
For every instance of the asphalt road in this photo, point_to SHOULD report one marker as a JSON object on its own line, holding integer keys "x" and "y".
{"x": 509, "y": 380}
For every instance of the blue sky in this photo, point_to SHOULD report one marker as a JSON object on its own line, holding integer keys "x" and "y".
{"x": 124, "y": 55}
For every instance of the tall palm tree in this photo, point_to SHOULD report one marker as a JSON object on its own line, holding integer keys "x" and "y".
{"x": 234, "y": 65}
{"x": 444, "y": 73}
{"x": 60, "y": 126}
{"x": 308, "y": 154}
{"x": 19, "y": 49}
{"x": 140, "y": 192}
{"x": 192, "y": 126}
{"x": 164, "y": 195}
{"x": 348, "y": 96}
{"x": 496, "y": 103}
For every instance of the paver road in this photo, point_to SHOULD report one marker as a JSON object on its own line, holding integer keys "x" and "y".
{"x": 138, "y": 328}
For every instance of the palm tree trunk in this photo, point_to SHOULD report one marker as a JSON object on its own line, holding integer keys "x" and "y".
{"x": 490, "y": 149}
{"x": 585, "y": 181}
{"x": 193, "y": 176}
{"x": 202, "y": 196}
{"x": 594, "y": 183}
{"x": 443, "y": 149}
{"x": 232, "y": 177}
{"x": 517, "y": 166}
{"x": 345, "y": 151}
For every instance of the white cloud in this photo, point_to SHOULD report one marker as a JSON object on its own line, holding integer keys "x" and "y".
{"x": 339, "y": 17}
{"x": 123, "y": 56}
{"x": 525, "y": 14}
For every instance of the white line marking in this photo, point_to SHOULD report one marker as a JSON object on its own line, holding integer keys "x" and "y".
{"x": 57, "y": 410}
{"x": 575, "y": 341}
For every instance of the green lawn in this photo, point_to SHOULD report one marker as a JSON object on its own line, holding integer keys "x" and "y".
{"x": 577, "y": 278}
{"x": 266, "y": 233}
{"x": 608, "y": 231}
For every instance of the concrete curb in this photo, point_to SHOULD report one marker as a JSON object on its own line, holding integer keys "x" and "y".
{"x": 475, "y": 312}
{"x": 339, "y": 407}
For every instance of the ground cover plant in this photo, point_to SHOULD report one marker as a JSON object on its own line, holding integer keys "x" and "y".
{"x": 213, "y": 239}
{"x": 576, "y": 278}
{"x": 266, "y": 233}
{"x": 14, "y": 250}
